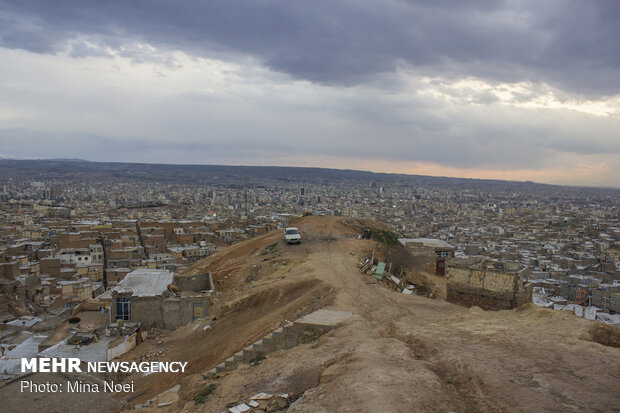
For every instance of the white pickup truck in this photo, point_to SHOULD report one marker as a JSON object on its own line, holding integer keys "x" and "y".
{"x": 292, "y": 235}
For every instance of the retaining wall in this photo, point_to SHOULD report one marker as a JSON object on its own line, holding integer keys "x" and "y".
{"x": 488, "y": 289}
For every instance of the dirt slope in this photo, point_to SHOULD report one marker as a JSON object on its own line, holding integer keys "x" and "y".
{"x": 400, "y": 353}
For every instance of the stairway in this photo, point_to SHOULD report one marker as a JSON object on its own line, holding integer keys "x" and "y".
{"x": 303, "y": 330}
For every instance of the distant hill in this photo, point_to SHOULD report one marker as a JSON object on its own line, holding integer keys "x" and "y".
{"x": 70, "y": 169}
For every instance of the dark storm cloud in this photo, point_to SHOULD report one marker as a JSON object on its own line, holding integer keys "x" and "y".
{"x": 574, "y": 45}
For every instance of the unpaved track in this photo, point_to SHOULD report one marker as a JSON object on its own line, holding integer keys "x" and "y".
{"x": 401, "y": 353}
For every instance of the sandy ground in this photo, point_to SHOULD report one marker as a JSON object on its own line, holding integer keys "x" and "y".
{"x": 399, "y": 353}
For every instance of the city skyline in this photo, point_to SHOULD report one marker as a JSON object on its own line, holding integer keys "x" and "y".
{"x": 492, "y": 90}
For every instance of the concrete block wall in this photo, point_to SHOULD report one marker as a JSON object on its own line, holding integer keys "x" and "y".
{"x": 196, "y": 283}
{"x": 489, "y": 289}
{"x": 484, "y": 299}
{"x": 426, "y": 263}
{"x": 488, "y": 279}
{"x": 121, "y": 346}
{"x": 164, "y": 312}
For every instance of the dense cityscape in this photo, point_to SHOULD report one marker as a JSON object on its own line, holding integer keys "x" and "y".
{"x": 66, "y": 241}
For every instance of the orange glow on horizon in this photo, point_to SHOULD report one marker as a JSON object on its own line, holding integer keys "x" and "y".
{"x": 588, "y": 174}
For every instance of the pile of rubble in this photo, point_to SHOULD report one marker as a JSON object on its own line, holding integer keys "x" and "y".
{"x": 377, "y": 269}
{"x": 153, "y": 355}
{"x": 262, "y": 402}
{"x": 155, "y": 336}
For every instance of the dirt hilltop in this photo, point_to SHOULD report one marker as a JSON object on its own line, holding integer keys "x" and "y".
{"x": 398, "y": 353}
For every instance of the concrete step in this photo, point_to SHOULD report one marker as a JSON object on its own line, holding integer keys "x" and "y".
{"x": 290, "y": 341}
{"x": 290, "y": 336}
{"x": 238, "y": 357}
{"x": 259, "y": 347}
{"x": 230, "y": 363}
{"x": 248, "y": 354}
{"x": 212, "y": 373}
{"x": 220, "y": 368}
{"x": 321, "y": 321}
{"x": 268, "y": 344}
{"x": 311, "y": 326}
{"x": 278, "y": 339}
{"x": 288, "y": 329}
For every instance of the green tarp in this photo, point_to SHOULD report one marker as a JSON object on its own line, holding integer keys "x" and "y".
{"x": 380, "y": 268}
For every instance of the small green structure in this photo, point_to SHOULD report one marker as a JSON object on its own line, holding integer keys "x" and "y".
{"x": 380, "y": 268}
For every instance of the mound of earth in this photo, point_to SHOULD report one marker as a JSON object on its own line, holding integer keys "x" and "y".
{"x": 399, "y": 353}
{"x": 605, "y": 334}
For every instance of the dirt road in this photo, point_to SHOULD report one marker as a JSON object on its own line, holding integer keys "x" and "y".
{"x": 400, "y": 353}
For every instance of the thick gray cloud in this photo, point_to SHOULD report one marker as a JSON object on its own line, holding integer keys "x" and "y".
{"x": 572, "y": 44}
{"x": 471, "y": 88}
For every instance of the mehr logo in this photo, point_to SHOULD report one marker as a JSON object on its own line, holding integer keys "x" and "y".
{"x": 51, "y": 365}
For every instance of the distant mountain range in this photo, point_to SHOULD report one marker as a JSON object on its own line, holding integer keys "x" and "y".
{"x": 71, "y": 169}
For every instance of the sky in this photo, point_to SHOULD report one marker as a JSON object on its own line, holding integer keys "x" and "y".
{"x": 517, "y": 90}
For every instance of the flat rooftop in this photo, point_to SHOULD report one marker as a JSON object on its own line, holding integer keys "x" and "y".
{"x": 427, "y": 242}
{"x": 325, "y": 318}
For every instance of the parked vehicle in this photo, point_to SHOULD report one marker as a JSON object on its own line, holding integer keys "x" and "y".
{"x": 292, "y": 235}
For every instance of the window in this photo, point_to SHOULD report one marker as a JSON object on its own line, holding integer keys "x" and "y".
{"x": 123, "y": 309}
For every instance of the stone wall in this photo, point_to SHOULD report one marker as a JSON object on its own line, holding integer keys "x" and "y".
{"x": 488, "y": 289}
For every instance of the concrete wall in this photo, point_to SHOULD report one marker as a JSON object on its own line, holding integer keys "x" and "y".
{"x": 486, "y": 288}
{"x": 420, "y": 249}
{"x": 165, "y": 312}
{"x": 148, "y": 311}
{"x": 121, "y": 346}
{"x": 195, "y": 283}
{"x": 426, "y": 262}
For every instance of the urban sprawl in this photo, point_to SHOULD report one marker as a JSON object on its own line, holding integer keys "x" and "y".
{"x": 64, "y": 242}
